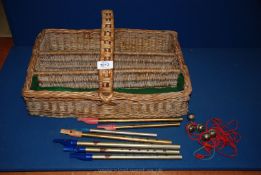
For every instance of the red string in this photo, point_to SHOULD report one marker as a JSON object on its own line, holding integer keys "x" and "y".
{"x": 199, "y": 156}
{"x": 226, "y": 138}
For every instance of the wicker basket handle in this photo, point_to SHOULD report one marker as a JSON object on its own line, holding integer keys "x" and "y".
{"x": 107, "y": 50}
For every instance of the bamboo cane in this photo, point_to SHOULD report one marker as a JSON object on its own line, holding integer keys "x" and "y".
{"x": 75, "y": 133}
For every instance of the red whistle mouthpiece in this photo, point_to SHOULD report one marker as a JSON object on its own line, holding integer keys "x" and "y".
{"x": 89, "y": 120}
{"x": 107, "y": 127}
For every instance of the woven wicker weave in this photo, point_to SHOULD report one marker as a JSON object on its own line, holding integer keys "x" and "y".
{"x": 141, "y": 58}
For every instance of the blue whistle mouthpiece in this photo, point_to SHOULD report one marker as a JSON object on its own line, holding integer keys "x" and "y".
{"x": 66, "y": 142}
{"x": 71, "y": 148}
{"x": 81, "y": 156}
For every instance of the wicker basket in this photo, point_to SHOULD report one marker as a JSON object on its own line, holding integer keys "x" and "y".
{"x": 63, "y": 79}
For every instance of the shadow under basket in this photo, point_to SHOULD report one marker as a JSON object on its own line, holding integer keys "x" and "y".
{"x": 149, "y": 78}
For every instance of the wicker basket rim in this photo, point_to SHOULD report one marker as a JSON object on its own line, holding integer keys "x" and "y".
{"x": 27, "y": 92}
{"x": 60, "y": 30}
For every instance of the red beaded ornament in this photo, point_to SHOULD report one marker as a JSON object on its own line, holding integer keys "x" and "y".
{"x": 222, "y": 137}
